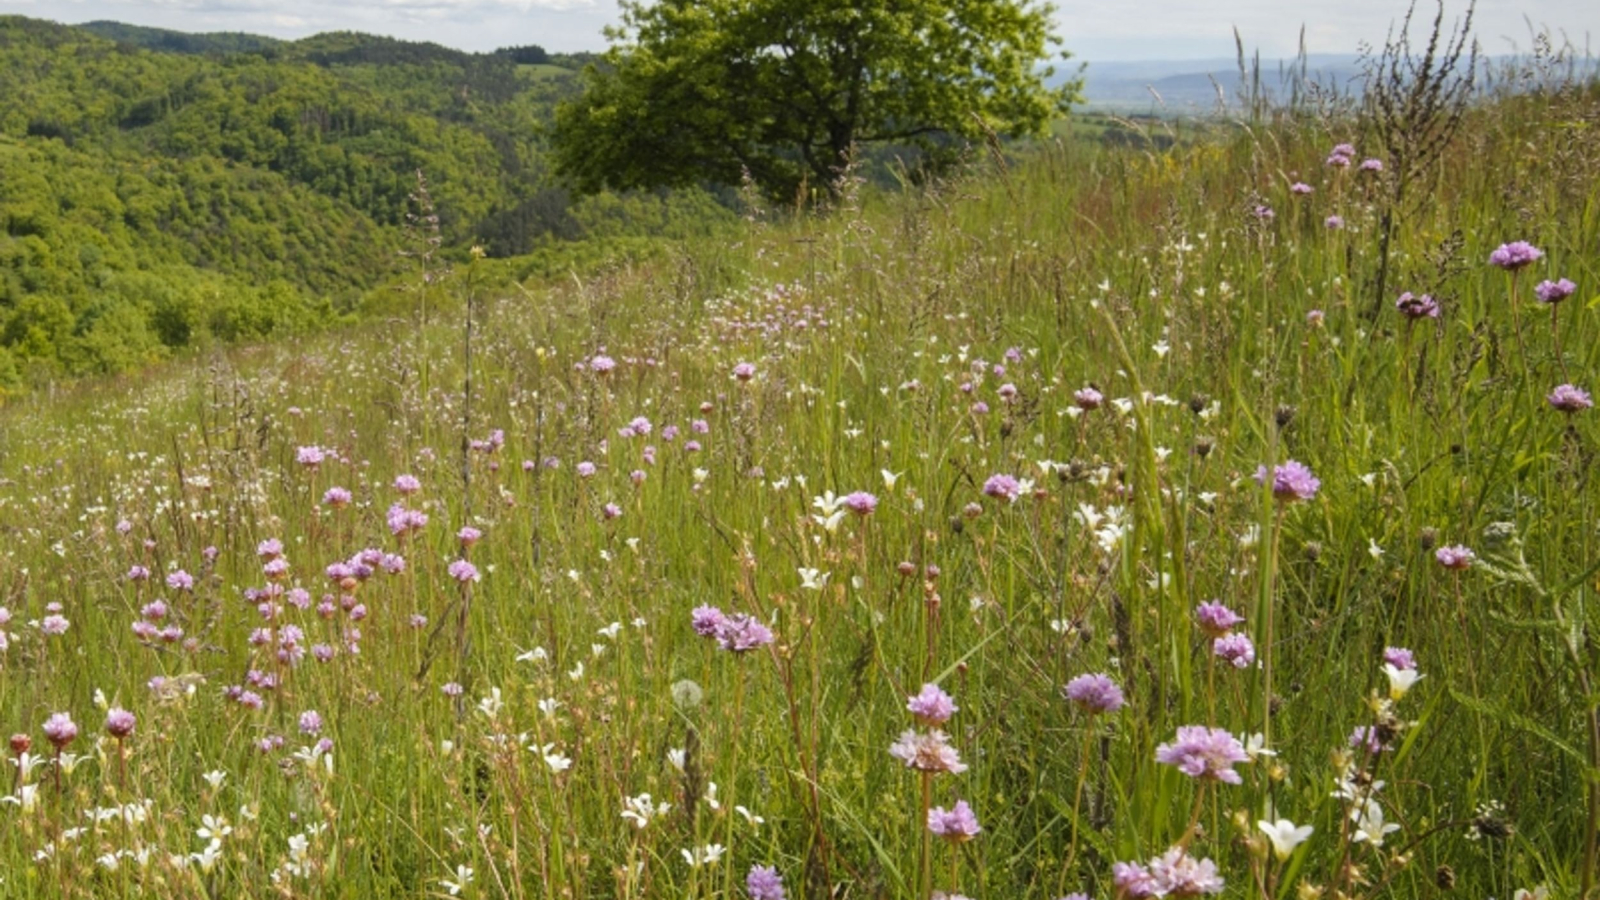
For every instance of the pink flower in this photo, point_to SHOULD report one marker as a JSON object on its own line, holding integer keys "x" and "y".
{"x": 927, "y": 752}
{"x": 60, "y": 730}
{"x": 1202, "y": 752}
{"x": 932, "y": 706}
{"x": 957, "y": 825}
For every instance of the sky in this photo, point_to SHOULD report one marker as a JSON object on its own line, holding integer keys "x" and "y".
{"x": 1091, "y": 29}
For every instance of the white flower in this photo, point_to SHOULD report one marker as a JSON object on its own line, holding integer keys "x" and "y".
{"x": 677, "y": 757}
{"x": 213, "y": 828}
{"x": 1162, "y": 348}
{"x": 554, "y": 760}
{"x": 889, "y": 478}
{"x": 1539, "y": 893}
{"x": 1374, "y": 550}
{"x": 537, "y": 654}
{"x": 1255, "y": 746}
{"x": 755, "y": 821}
{"x": 611, "y": 630}
{"x": 1284, "y": 835}
{"x": 813, "y": 579}
{"x": 701, "y": 856}
{"x": 68, "y": 762}
{"x": 641, "y": 810}
{"x": 27, "y": 763}
{"x": 215, "y": 777}
{"x": 1400, "y": 680}
{"x": 1370, "y": 826}
{"x": 577, "y": 671}
{"x": 26, "y": 798}
{"x": 463, "y": 878}
{"x": 491, "y": 705}
{"x": 207, "y": 858}
{"x": 548, "y": 706}
{"x": 829, "y": 522}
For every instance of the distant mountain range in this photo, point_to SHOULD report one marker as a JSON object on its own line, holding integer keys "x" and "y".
{"x": 1193, "y": 85}
{"x": 1200, "y": 86}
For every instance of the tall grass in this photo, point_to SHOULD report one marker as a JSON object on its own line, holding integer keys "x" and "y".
{"x": 1222, "y": 339}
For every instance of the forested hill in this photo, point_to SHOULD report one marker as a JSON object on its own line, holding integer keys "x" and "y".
{"x": 160, "y": 189}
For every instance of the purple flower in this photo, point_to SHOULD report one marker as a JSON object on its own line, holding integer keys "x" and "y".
{"x": 1300, "y": 189}
{"x": 119, "y": 722}
{"x": 763, "y": 883}
{"x": 1372, "y": 165}
{"x": 1202, "y": 752}
{"x": 610, "y": 511}
{"x": 60, "y": 729}
{"x": 54, "y": 624}
{"x": 1094, "y": 693}
{"x": 932, "y": 706}
{"x": 1333, "y": 223}
{"x": 744, "y": 371}
{"x": 1417, "y": 307}
{"x": 310, "y": 722}
{"x": 1003, "y": 487}
{"x": 310, "y": 457}
{"x": 180, "y": 581}
{"x": 1457, "y": 557}
{"x": 138, "y": 573}
{"x": 1345, "y": 150}
{"x": 586, "y": 469}
{"x": 1570, "y": 398}
{"x": 707, "y": 620}
{"x": 1214, "y": 619}
{"x": 601, "y": 364}
{"x": 1514, "y": 255}
{"x": 927, "y": 752}
{"x": 336, "y": 497}
{"x": 1008, "y": 392}
{"x": 957, "y": 825}
{"x": 861, "y": 503}
{"x": 463, "y": 571}
{"x": 271, "y": 548}
{"x": 1366, "y": 737}
{"x": 741, "y": 633}
{"x": 1554, "y": 291}
{"x": 407, "y": 484}
{"x": 468, "y": 535}
{"x": 1399, "y": 657}
{"x": 1236, "y": 649}
{"x": 1290, "y": 482}
{"x": 1263, "y": 213}
{"x": 1088, "y": 398}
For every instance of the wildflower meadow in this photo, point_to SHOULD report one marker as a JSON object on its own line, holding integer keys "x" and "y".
{"x": 1091, "y": 523}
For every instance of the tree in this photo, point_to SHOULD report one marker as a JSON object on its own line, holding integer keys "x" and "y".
{"x": 703, "y": 90}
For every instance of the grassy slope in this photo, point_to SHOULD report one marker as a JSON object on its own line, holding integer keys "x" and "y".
{"x": 1130, "y": 271}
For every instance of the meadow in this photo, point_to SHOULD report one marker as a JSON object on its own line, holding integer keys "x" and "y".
{"x": 1094, "y": 521}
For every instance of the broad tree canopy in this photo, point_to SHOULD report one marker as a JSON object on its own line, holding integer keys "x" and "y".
{"x": 705, "y": 90}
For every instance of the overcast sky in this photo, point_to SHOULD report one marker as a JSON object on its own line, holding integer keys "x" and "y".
{"x": 1092, "y": 29}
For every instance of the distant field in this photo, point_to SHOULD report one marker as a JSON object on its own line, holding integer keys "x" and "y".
{"x": 542, "y": 72}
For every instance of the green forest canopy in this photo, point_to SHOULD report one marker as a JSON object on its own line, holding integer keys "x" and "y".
{"x": 159, "y": 189}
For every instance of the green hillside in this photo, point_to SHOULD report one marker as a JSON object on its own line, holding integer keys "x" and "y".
{"x": 160, "y": 189}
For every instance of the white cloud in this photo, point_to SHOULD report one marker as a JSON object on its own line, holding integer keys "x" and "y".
{"x": 1092, "y": 29}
